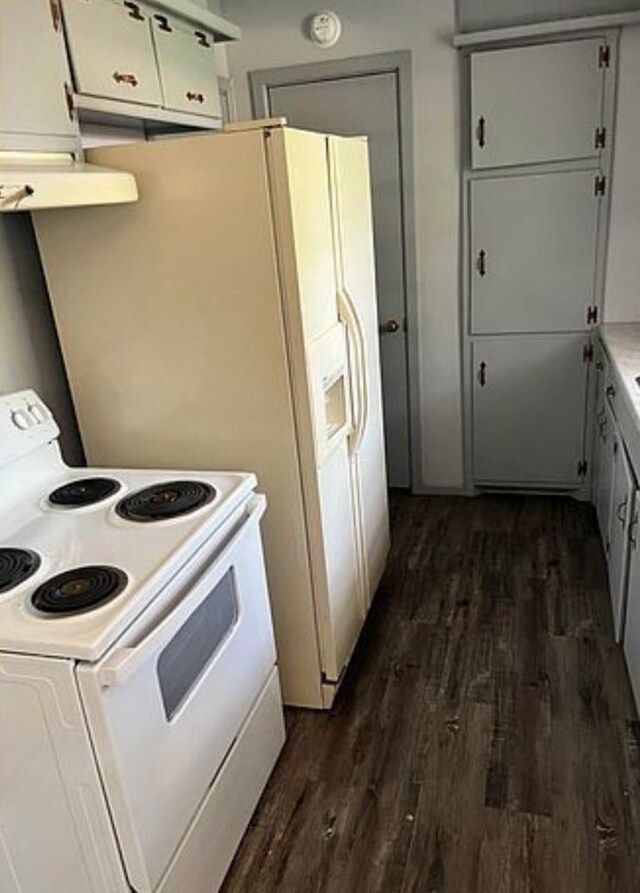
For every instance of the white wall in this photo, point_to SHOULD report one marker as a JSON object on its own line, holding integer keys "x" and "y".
{"x": 29, "y": 353}
{"x": 476, "y": 15}
{"x": 622, "y": 291}
{"x": 273, "y": 36}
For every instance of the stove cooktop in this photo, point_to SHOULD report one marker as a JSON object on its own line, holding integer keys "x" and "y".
{"x": 73, "y": 576}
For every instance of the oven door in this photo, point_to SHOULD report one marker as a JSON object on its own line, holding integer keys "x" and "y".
{"x": 165, "y": 706}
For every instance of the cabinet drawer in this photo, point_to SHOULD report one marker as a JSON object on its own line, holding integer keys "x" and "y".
{"x": 111, "y": 49}
{"x": 536, "y": 103}
{"x": 186, "y": 59}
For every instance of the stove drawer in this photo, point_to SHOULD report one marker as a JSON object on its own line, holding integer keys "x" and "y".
{"x": 205, "y": 854}
{"x": 165, "y": 710}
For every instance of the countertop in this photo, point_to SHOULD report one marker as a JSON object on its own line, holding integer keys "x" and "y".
{"x": 621, "y": 341}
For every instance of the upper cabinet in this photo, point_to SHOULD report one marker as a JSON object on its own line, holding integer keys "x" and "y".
{"x": 154, "y": 61}
{"x": 187, "y": 67}
{"x": 538, "y": 103}
{"x": 36, "y": 109}
{"x": 111, "y": 48}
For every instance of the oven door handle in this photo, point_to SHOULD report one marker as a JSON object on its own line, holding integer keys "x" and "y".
{"x": 124, "y": 662}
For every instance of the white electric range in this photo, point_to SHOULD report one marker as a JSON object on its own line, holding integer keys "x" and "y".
{"x": 140, "y": 710}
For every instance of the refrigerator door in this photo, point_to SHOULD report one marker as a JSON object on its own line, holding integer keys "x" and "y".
{"x": 353, "y": 233}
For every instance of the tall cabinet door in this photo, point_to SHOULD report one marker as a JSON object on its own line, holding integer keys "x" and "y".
{"x": 537, "y": 103}
{"x": 528, "y": 409}
{"x": 353, "y": 229}
{"x": 533, "y": 251}
{"x": 632, "y": 623}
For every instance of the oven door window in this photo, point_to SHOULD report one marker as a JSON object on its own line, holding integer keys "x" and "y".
{"x": 183, "y": 661}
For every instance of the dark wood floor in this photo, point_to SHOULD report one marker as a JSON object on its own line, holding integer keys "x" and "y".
{"x": 485, "y": 739}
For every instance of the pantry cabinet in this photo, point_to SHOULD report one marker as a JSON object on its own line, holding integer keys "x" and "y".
{"x": 537, "y": 103}
{"x": 528, "y": 410}
{"x": 35, "y": 84}
{"x": 187, "y": 67}
{"x": 111, "y": 49}
{"x": 533, "y": 251}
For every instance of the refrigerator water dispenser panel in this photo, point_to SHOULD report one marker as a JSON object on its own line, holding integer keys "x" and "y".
{"x": 328, "y": 370}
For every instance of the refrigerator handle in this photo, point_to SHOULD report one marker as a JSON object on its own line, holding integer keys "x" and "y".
{"x": 350, "y": 317}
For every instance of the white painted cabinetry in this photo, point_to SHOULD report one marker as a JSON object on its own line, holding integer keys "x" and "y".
{"x": 111, "y": 50}
{"x": 536, "y": 103}
{"x": 528, "y": 409}
{"x": 632, "y": 623}
{"x": 535, "y": 206}
{"x": 187, "y": 67}
{"x": 35, "y": 84}
{"x": 533, "y": 249}
{"x": 622, "y": 498}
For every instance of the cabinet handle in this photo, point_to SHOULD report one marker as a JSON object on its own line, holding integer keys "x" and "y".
{"x": 620, "y": 511}
{"x": 163, "y": 23}
{"x": 481, "y": 132}
{"x": 134, "y": 10}
{"x": 56, "y": 14}
{"x": 481, "y": 263}
{"x": 482, "y": 374}
{"x": 130, "y": 79}
{"x": 195, "y": 97}
{"x": 611, "y": 391}
{"x": 203, "y": 40}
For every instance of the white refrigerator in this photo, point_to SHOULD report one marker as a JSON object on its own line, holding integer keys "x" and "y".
{"x": 228, "y": 320}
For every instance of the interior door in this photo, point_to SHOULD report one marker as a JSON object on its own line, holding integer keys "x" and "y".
{"x": 368, "y": 105}
{"x": 528, "y": 409}
{"x": 353, "y": 228}
{"x": 536, "y": 103}
{"x": 622, "y": 497}
{"x": 186, "y": 59}
{"x": 32, "y": 42}
{"x": 533, "y": 249}
{"x": 111, "y": 49}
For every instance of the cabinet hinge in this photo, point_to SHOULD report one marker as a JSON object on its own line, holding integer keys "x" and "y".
{"x": 600, "y": 185}
{"x": 600, "y": 139}
{"x": 582, "y": 467}
{"x": 592, "y": 315}
{"x": 587, "y": 353}
{"x": 56, "y": 14}
{"x": 604, "y": 56}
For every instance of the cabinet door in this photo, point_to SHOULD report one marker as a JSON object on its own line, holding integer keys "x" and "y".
{"x": 604, "y": 475}
{"x": 533, "y": 244}
{"x": 622, "y": 497}
{"x": 536, "y": 103}
{"x": 529, "y": 410}
{"x": 186, "y": 59}
{"x": 112, "y": 50}
{"x": 34, "y": 78}
{"x": 632, "y": 624}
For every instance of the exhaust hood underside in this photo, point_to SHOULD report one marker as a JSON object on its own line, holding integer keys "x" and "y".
{"x": 33, "y": 182}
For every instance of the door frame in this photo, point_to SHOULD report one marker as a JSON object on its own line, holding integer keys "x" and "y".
{"x": 400, "y": 64}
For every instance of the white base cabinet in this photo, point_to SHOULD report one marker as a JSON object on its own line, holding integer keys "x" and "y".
{"x": 632, "y": 624}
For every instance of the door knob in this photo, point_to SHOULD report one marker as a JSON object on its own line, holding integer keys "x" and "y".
{"x": 390, "y": 327}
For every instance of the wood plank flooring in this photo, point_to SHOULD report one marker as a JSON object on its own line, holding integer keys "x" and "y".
{"x": 485, "y": 739}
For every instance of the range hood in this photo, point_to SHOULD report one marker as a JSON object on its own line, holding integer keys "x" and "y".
{"x": 31, "y": 181}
